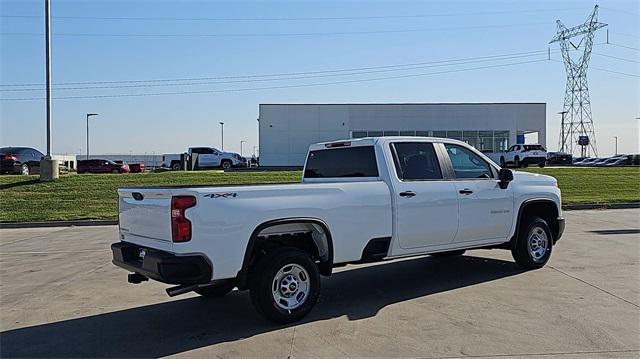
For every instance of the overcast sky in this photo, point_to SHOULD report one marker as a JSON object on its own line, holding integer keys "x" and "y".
{"x": 262, "y": 38}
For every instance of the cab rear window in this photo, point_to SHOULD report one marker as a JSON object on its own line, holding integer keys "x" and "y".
{"x": 342, "y": 162}
{"x": 533, "y": 148}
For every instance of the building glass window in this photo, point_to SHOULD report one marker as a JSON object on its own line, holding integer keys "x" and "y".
{"x": 500, "y": 141}
{"x": 375, "y": 133}
{"x": 423, "y": 133}
{"x": 407, "y": 133}
{"x": 470, "y": 137}
{"x": 358, "y": 134}
{"x": 456, "y": 135}
{"x": 485, "y": 143}
{"x": 442, "y": 134}
{"x": 391, "y": 133}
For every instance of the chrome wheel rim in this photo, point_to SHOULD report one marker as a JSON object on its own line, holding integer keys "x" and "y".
{"x": 25, "y": 170}
{"x": 538, "y": 244}
{"x": 290, "y": 287}
{"x": 226, "y": 165}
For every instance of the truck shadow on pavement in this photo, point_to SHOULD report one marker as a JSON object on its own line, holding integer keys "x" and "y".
{"x": 181, "y": 325}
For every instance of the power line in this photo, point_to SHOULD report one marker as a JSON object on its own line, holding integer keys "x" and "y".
{"x": 282, "y": 77}
{"x": 276, "y": 87}
{"x": 607, "y": 70}
{"x": 282, "y": 34}
{"x": 617, "y": 58}
{"x": 621, "y": 11}
{"x": 293, "y": 73}
{"x": 313, "y": 18}
{"x": 625, "y": 46}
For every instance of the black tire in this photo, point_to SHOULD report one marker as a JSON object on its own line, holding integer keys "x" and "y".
{"x": 516, "y": 162}
{"x": 176, "y": 166}
{"x": 25, "y": 169}
{"x": 226, "y": 164}
{"x": 525, "y": 246}
{"x": 503, "y": 164}
{"x": 116, "y": 171}
{"x": 449, "y": 254}
{"x": 215, "y": 291}
{"x": 542, "y": 164}
{"x": 263, "y": 278}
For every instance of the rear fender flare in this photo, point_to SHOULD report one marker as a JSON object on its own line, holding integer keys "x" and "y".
{"x": 325, "y": 266}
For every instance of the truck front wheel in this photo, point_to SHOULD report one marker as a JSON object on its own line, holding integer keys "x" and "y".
{"x": 533, "y": 246}
{"x": 284, "y": 285}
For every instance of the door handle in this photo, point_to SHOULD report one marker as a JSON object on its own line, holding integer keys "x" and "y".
{"x": 407, "y": 194}
{"x": 465, "y": 191}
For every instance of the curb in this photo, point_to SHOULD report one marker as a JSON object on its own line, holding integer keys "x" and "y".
{"x": 113, "y": 222}
{"x": 42, "y": 224}
{"x": 578, "y": 207}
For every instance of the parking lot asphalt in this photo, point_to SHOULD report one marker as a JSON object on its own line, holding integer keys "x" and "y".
{"x": 60, "y": 296}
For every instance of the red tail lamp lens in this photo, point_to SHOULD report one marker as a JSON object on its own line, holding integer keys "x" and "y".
{"x": 180, "y": 225}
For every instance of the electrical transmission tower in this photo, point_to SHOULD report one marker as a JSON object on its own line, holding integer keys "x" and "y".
{"x": 577, "y": 125}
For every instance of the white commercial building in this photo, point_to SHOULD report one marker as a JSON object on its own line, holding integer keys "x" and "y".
{"x": 287, "y": 130}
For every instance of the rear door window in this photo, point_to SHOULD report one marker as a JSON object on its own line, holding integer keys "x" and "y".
{"x": 342, "y": 162}
{"x": 416, "y": 161}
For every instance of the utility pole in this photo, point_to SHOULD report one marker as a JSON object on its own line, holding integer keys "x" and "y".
{"x": 222, "y": 135}
{"x": 616, "y": 137}
{"x": 49, "y": 168}
{"x": 89, "y": 115}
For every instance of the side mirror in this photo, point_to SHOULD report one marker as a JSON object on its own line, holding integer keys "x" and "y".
{"x": 505, "y": 176}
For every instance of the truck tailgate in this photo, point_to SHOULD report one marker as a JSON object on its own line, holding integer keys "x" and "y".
{"x": 145, "y": 213}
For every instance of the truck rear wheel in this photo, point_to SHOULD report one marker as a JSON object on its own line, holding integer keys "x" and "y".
{"x": 533, "y": 244}
{"x": 215, "y": 291}
{"x": 284, "y": 285}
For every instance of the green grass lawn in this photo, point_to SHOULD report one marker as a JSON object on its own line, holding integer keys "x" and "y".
{"x": 596, "y": 184}
{"x": 94, "y": 196}
{"x": 91, "y": 196}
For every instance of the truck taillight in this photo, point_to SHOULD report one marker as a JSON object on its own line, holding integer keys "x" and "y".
{"x": 180, "y": 225}
{"x": 9, "y": 157}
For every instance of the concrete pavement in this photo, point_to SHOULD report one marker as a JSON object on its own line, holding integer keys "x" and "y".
{"x": 61, "y": 297}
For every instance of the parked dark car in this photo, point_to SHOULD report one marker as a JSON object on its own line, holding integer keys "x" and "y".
{"x": 20, "y": 160}
{"x": 136, "y": 167}
{"x": 559, "y": 158}
{"x": 101, "y": 166}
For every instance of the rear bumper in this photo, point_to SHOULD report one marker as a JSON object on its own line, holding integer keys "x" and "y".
{"x": 533, "y": 160}
{"x": 161, "y": 266}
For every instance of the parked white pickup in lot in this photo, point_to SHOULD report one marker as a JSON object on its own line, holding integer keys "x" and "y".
{"x": 360, "y": 200}
{"x": 208, "y": 157}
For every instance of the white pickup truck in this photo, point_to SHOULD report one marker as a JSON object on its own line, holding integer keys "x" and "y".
{"x": 360, "y": 200}
{"x": 208, "y": 157}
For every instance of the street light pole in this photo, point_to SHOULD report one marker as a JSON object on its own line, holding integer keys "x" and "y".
{"x": 49, "y": 169}
{"x": 47, "y": 29}
{"x": 89, "y": 115}
{"x": 222, "y": 135}
{"x": 562, "y": 138}
{"x": 241, "y": 142}
{"x": 616, "y": 137}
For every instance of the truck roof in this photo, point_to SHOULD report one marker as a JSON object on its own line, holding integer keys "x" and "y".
{"x": 370, "y": 141}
